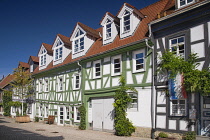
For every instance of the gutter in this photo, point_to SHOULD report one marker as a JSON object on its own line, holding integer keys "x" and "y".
{"x": 180, "y": 11}
{"x": 153, "y": 87}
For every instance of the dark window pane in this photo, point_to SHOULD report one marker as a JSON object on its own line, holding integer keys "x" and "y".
{"x": 174, "y": 41}
{"x": 140, "y": 55}
{"x": 181, "y": 39}
{"x": 116, "y": 60}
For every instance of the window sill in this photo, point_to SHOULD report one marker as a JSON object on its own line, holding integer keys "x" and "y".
{"x": 98, "y": 77}
{"x": 139, "y": 71}
{"x": 117, "y": 74}
{"x": 78, "y": 52}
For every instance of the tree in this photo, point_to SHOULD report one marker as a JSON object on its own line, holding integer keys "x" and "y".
{"x": 195, "y": 80}
{"x": 7, "y": 98}
{"x": 123, "y": 127}
{"x": 22, "y": 84}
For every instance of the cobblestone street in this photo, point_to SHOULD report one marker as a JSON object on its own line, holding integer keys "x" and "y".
{"x": 9, "y": 130}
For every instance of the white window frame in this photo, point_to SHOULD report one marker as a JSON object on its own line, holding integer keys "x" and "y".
{"x": 46, "y": 111}
{"x": 113, "y": 65}
{"x": 171, "y": 46}
{"x": 67, "y": 113}
{"x": 46, "y": 85}
{"x": 134, "y": 61}
{"x": 123, "y": 21}
{"x": 186, "y": 3}
{"x": 172, "y": 109}
{"x": 108, "y": 34}
{"x": 31, "y": 68}
{"x": 58, "y": 50}
{"x": 40, "y": 111}
{"x": 40, "y": 85}
{"x": 60, "y": 83}
{"x": 75, "y": 81}
{"x": 95, "y": 69}
{"x": 76, "y": 114}
{"x": 43, "y": 57}
{"x": 130, "y": 107}
{"x": 79, "y": 42}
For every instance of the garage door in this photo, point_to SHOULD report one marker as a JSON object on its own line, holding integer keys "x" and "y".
{"x": 103, "y": 114}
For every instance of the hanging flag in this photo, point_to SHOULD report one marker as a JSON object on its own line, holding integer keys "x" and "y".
{"x": 176, "y": 87}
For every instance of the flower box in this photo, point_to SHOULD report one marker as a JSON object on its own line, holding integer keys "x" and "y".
{"x": 22, "y": 119}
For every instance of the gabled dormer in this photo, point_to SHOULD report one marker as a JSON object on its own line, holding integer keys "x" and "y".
{"x": 24, "y": 65}
{"x": 130, "y": 18}
{"x": 33, "y": 62}
{"x": 183, "y": 3}
{"x": 82, "y": 38}
{"x": 45, "y": 55}
{"x": 110, "y": 25}
{"x": 61, "y": 49}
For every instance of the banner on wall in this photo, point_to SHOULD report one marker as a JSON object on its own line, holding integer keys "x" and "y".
{"x": 176, "y": 87}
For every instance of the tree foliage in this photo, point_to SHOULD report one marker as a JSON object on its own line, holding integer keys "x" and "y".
{"x": 123, "y": 127}
{"x": 195, "y": 80}
{"x": 22, "y": 84}
{"x": 7, "y": 98}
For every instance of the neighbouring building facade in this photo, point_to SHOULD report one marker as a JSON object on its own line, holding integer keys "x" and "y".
{"x": 183, "y": 28}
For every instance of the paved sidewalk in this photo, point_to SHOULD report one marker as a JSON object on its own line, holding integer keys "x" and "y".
{"x": 9, "y": 130}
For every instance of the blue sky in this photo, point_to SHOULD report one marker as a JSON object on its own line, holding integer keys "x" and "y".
{"x": 26, "y": 24}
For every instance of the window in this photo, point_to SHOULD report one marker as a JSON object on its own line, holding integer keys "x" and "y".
{"x": 58, "y": 50}
{"x": 97, "y": 69}
{"x": 46, "y": 85}
{"x": 60, "y": 83}
{"x": 182, "y": 3}
{"x": 43, "y": 57}
{"x": 177, "y": 46}
{"x": 77, "y": 115}
{"x": 116, "y": 65}
{"x": 108, "y": 29}
{"x": 126, "y": 22}
{"x": 138, "y": 61}
{"x": 76, "y": 81}
{"x": 40, "y": 86}
{"x": 178, "y": 107}
{"x": 29, "y": 109}
{"x": 133, "y": 106}
{"x": 40, "y": 111}
{"x": 67, "y": 113}
{"x": 31, "y": 68}
{"x": 79, "y": 41}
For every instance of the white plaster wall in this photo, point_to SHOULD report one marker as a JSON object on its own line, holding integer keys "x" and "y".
{"x": 115, "y": 81}
{"x": 128, "y": 65}
{"x": 161, "y": 109}
{"x": 87, "y": 87}
{"x": 107, "y": 59}
{"x": 183, "y": 125}
{"x": 98, "y": 84}
{"x": 92, "y": 84}
{"x": 199, "y": 49}
{"x": 106, "y": 69}
{"x": 129, "y": 77}
{"x": 108, "y": 82}
{"x": 172, "y": 124}
{"x": 139, "y": 78}
{"x": 161, "y": 121}
{"x": 197, "y": 33}
{"x": 161, "y": 98}
{"x": 88, "y": 65}
{"x": 149, "y": 76}
{"x": 142, "y": 117}
{"x": 136, "y": 22}
{"x": 49, "y": 58}
{"x": 200, "y": 67}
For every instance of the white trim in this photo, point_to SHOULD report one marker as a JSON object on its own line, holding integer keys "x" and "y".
{"x": 46, "y": 85}
{"x": 179, "y": 6}
{"x": 134, "y": 60}
{"x": 59, "y": 84}
{"x": 112, "y": 65}
{"x": 94, "y": 69}
{"x": 74, "y": 81}
{"x": 76, "y": 113}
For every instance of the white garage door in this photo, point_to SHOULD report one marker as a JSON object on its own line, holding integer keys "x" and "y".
{"x": 103, "y": 114}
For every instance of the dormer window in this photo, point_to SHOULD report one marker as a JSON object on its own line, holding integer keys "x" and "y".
{"x": 182, "y": 3}
{"x": 126, "y": 22}
{"x": 108, "y": 29}
{"x": 58, "y": 51}
{"x": 43, "y": 57}
{"x": 79, "y": 42}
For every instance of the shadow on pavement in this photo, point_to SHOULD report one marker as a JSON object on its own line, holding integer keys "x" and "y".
{"x": 9, "y": 133}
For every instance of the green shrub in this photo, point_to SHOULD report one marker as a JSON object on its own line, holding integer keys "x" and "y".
{"x": 82, "y": 111}
{"x": 122, "y": 125}
{"x": 190, "y": 135}
{"x": 36, "y": 119}
{"x": 163, "y": 135}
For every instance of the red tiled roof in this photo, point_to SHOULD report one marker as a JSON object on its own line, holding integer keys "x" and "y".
{"x": 150, "y": 12}
{"x": 48, "y": 47}
{"x": 23, "y": 64}
{"x": 65, "y": 39}
{"x": 111, "y": 15}
{"x": 35, "y": 59}
{"x": 6, "y": 80}
{"x": 89, "y": 30}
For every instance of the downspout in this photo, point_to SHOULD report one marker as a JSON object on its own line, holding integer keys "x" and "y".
{"x": 153, "y": 86}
